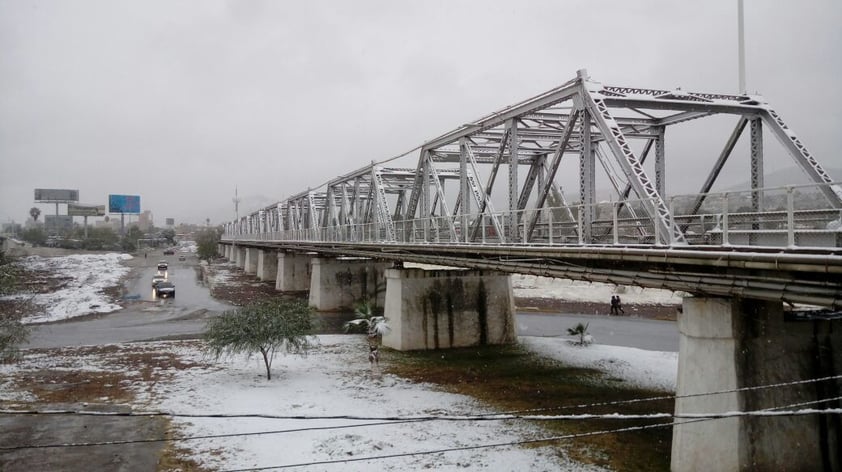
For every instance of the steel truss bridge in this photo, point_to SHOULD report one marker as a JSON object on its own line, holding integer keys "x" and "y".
{"x": 450, "y": 208}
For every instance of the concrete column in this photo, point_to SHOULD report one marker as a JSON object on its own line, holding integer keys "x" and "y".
{"x": 293, "y": 272}
{"x": 433, "y": 309}
{"x": 267, "y": 264}
{"x": 337, "y": 284}
{"x": 240, "y": 256}
{"x": 220, "y": 249}
{"x": 727, "y": 344}
{"x": 250, "y": 262}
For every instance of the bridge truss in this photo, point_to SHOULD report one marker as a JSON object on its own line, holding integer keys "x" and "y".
{"x": 454, "y": 192}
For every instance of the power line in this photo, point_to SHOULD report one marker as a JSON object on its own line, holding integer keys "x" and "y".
{"x": 688, "y": 395}
{"x": 430, "y": 417}
{"x": 190, "y": 438}
{"x": 511, "y": 443}
{"x": 398, "y": 420}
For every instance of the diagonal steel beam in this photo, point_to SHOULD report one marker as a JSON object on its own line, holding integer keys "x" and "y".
{"x": 717, "y": 166}
{"x": 802, "y": 156}
{"x": 550, "y": 179}
{"x": 654, "y": 203}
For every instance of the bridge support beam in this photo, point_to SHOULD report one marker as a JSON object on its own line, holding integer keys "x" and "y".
{"x": 250, "y": 260}
{"x": 729, "y": 344}
{"x": 293, "y": 272}
{"x": 221, "y": 248}
{"x": 267, "y": 265}
{"x": 337, "y": 284}
{"x": 435, "y": 309}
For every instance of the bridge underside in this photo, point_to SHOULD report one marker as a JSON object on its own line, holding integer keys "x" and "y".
{"x": 803, "y": 276}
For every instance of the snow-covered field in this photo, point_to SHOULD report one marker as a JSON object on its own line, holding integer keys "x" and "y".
{"x": 87, "y": 276}
{"x": 334, "y": 380}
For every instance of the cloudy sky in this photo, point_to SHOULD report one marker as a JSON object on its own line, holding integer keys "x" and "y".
{"x": 181, "y": 101}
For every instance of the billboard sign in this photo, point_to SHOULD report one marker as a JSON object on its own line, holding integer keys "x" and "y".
{"x": 124, "y": 204}
{"x": 54, "y": 195}
{"x": 74, "y": 209}
{"x": 170, "y": 221}
{"x": 58, "y": 223}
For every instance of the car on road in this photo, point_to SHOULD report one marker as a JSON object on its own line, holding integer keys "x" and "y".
{"x": 158, "y": 278}
{"x": 163, "y": 266}
{"x": 165, "y": 289}
{"x": 182, "y": 258}
{"x": 169, "y": 252}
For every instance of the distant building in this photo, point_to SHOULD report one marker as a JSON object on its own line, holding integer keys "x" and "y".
{"x": 145, "y": 222}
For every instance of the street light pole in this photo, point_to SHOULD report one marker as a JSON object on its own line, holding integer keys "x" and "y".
{"x": 741, "y": 46}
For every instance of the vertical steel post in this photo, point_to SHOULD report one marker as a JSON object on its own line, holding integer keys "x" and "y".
{"x": 550, "y": 225}
{"x": 513, "y": 179}
{"x": 725, "y": 241}
{"x": 587, "y": 178}
{"x": 790, "y": 217}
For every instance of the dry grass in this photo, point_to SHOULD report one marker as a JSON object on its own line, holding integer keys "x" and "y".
{"x": 511, "y": 379}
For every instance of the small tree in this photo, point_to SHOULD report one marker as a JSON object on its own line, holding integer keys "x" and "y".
{"x": 169, "y": 235}
{"x": 206, "y": 242}
{"x": 35, "y": 236}
{"x": 35, "y": 212}
{"x": 580, "y": 330}
{"x": 263, "y": 327}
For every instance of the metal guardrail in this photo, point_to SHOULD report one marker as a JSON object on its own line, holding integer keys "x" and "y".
{"x": 791, "y": 216}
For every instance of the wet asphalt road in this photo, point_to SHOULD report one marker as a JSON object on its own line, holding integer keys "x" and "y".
{"x": 652, "y": 335}
{"x": 144, "y": 317}
{"x": 148, "y": 318}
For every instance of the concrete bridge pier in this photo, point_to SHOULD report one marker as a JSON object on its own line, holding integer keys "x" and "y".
{"x": 250, "y": 260}
{"x": 339, "y": 283}
{"x": 239, "y": 256}
{"x": 221, "y": 248}
{"x": 729, "y": 344}
{"x": 436, "y": 309}
{"x": 293, "y": 272}
{"x": 267, "y": 265}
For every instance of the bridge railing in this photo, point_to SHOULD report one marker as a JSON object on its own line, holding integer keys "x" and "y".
{"x": 789, "y": 216}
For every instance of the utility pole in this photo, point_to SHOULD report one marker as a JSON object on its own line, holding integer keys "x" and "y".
{"x": 236, "y": 201}
{"x": 741, "y": 46}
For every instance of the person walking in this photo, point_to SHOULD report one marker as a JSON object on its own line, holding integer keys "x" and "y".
{"x": 615, "y": 303}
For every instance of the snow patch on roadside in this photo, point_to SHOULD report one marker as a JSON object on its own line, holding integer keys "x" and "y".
{"x": 87, "y": 276}
{"x": 655, "y": 370}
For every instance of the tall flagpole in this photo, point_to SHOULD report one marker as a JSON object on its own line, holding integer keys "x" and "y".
{"x": 741, "y": 46}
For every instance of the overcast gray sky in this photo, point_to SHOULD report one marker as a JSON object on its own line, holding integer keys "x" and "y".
{"x": 181, "y": 101}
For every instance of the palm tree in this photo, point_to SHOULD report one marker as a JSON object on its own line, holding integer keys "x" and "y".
{"x": 35, "y": 212}
{"x": 580, "y": 330}
{"x": 375, "y": 325}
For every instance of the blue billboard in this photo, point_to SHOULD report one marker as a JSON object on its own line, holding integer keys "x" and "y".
{"x": 124, "y": 204}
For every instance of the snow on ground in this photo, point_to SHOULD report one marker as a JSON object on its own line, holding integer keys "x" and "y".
{"x": 88, "y": 275}
{"x": 220, "y": 273}
{"x": 531, "y": 286}
{"x": 336, "y": 379}
{"x": 638, "y": 367}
